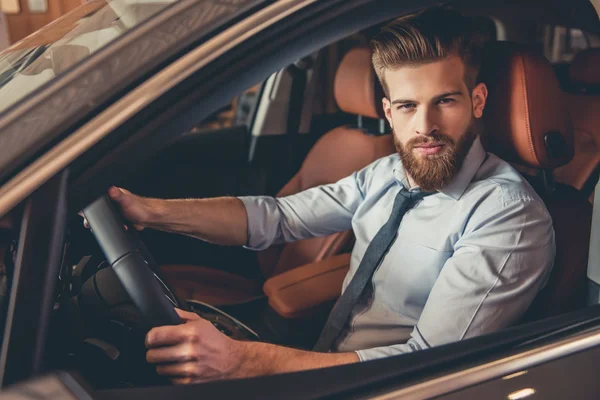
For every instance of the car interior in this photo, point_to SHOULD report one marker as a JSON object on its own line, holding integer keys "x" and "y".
{"x": 311, "y": 123}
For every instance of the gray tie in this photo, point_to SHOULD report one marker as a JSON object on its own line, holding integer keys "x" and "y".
{"x": 374, "y": 254}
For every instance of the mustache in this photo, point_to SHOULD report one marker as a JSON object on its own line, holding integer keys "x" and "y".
{"x": 433, "y": 138}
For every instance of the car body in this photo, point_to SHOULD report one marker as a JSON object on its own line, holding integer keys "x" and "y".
{"x": 146, "y": 107}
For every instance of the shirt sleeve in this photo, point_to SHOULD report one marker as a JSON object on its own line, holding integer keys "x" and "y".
{"x": 318, "y": 211}
{"x": 499, "y": 265}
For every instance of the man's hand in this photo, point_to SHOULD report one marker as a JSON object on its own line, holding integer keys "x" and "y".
{"x": 222, "y": 220}
{"x": 193, "y": 352}
{"x": 135, "y": 209}
{"x": 197, "y": 352}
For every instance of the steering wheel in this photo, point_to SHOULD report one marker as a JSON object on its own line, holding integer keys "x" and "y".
{"x": 132, "y": 264}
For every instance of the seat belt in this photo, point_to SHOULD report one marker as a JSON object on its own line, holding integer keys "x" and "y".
{"x": 593, "y": 269}
{"x": 299, "y": 73}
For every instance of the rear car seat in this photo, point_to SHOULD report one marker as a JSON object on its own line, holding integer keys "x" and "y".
{"x": 335, "y": 155}
{"x": 583, "y": 102}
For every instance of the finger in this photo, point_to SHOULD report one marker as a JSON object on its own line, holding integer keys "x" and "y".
{"x": 180, "y": 370}
{"x": 186, "y": 315}
{"x": 187, "y": 381}
{"x": 115, "y": 193}
{"x": 166, "y": 336}
{"x": 138, "y": 227}
{"x": 183, "y": 370}
{"x": 172, "y": 354}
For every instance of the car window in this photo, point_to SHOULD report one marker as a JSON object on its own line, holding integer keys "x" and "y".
{"x": 562, "y": 43}
{"x": 50, "y": 51}
{"x": 237, "y": 113}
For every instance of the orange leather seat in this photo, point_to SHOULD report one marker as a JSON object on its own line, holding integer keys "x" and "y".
{"x": 583, "y": 102}
{"x": 335, "y": 155}
{"x": 527, "y": 123}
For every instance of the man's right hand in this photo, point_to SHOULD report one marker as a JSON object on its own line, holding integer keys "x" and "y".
{"x": 135, "y": 209}
{"x": 221, "y": 220}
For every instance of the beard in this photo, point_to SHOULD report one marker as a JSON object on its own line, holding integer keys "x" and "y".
{"x": 432, "y": 172}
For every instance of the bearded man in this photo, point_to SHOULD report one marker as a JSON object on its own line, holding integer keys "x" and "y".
{"x": 451, "y": 242}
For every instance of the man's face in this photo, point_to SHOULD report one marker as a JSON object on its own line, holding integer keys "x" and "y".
{"x": 432, "y": 113}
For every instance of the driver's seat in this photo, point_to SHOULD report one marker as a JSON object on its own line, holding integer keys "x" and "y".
{"x": 356, "y": 91}
{"x": 527, "y": 124}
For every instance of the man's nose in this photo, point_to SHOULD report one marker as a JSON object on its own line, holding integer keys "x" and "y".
{"x": 426, "y": 122}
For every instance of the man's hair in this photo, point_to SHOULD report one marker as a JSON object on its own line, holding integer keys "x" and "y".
{"x": 425, "y": 37}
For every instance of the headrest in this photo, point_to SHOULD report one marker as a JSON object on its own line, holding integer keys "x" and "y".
{"x": 585, "y": 68}
{"x": 356, "y": 87}
{"x": 525, "y": 120}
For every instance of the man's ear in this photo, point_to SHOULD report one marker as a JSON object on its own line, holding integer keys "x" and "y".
{"x": 479, "y": 97}
{"x": 387, "y": 110}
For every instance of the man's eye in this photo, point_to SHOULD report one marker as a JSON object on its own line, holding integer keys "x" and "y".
{"x": 447, "y": 100}
{"x": 406, "y": 107}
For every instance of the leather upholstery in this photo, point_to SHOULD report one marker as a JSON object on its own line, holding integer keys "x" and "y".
{"x": 585, "y": 113}
{"x": 210, "y": 285}
{"x": 584, "y": 68}
{"x": 356, "y": 87}
{"x": 323, "y": 279}
{"x": 334, "y": 156}
{"x": 525, "y": 108}
{"x": 525, "y": 104}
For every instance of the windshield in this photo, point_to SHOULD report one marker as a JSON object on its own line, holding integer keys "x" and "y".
{"x": 49, "y": 52}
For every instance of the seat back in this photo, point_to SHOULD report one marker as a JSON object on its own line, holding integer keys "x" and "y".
{"x": 337, "y": 154}
{"x": 527, "y": 124}
{"x": 583, "y": 103}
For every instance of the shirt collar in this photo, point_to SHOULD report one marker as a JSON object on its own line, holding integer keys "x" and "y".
{"x": 457, "y": 186}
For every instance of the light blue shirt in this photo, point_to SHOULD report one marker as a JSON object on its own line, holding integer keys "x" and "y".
{"x": 467, "y": 260}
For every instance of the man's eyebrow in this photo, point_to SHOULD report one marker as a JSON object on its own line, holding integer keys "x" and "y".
{"x": 448, "y": 94}
{"x": 400, "y": 101}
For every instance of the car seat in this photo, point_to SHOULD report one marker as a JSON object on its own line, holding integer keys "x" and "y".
{"x": 583, "y": 102}
{"x": 527, "y": 124}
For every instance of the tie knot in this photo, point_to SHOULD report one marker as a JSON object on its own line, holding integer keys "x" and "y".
{"x": 406, "y": 200}
{"x": 414, "y": 196}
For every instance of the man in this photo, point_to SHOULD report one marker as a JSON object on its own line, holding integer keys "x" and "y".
{"x": 451, "y": 242}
